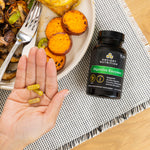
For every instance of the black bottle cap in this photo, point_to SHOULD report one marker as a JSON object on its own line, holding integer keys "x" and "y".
{"x": 112, "y": 35}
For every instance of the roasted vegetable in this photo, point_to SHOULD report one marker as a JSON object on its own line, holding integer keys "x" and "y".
{"x": 14, "y": 59}
{"x": 76, "y": 4}
{"x": 9, "y": 36}
{"x": 9, "y": 2}
{"x": 2, "y": 4}
{"x": 15, "y": 30}
{"x": 3, "y": 56}
{"x": 53, "y": 27}
{"x": 18, "y": 52}
{"x": 59, "y": 60}
{"x": 30, "y": 4}
{"x": 43, "y": 43}
{"x": 3, "y": 42}
{"x": 6, "y": 49}
{"x": 2, "y": 7}
{"x": 22, "y": 7}
{"x": 14, "y": 17}
{"x": 74, "y": 22}
{"x": 3, "y": 50}
{"x": 12, "y": 67}
{"x": 59, "y": 6}
{"x": 6, "y": 28}
{"x": 16, "y": 14}
{"x": 1, "y": 61}
{"x": 1, "y": 16}
{"x": 60, "y": 43}
{"x": 10, "y": 73}
{"x": 12, "y": 13}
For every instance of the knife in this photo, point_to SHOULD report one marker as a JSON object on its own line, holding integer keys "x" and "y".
{"x": 27, "y": 47}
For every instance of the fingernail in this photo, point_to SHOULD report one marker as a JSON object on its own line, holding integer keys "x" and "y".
{"x": 35, "y": 47}
{"x": 67, "y": 93}
{"x": 51, "y": 60}
{"x": 41, "y": 49}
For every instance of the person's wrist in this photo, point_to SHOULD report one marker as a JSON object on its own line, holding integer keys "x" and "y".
{"x": 7, "y": 142}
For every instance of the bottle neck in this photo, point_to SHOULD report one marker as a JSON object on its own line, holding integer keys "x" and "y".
{"x": 110, "y": 42}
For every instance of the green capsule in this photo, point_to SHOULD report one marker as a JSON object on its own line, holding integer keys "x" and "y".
{"x": 34, "y": 101}
{"x": 33, "y": 87}
{"x": 39, "y": 92}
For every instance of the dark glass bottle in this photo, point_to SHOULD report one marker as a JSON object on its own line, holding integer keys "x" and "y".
{"x": 107, "y": 66}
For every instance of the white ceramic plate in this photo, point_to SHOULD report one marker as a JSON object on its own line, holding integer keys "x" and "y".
{"x": 80, "y": 43}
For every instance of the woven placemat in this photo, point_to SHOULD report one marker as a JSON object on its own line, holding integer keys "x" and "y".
{"x": 83, "y": 116}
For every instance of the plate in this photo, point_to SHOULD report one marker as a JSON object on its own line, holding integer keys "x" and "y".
{"x": 80, "y": 43}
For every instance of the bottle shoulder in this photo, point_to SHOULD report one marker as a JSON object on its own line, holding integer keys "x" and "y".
{"x": 109, "y": 48}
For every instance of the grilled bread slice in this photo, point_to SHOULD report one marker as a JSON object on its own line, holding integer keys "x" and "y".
{"x": 59, "y": 6}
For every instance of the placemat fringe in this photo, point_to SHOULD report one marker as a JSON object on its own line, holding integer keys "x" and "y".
{"x": 106, "y": 126}
{"x": 135, "y": 26}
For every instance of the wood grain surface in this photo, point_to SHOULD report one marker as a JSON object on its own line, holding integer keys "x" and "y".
{"x": 134, "y": 133}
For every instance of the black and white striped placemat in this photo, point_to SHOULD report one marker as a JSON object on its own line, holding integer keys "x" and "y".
{"x": 83, "y": 116}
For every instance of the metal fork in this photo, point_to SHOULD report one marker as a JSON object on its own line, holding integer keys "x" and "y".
{"x": 25, "y": 34}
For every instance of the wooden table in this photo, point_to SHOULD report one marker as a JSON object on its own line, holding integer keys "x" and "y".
{"x": 133, "y": 134}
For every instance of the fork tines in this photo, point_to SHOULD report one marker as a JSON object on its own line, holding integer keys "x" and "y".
{"x": 33, "y": 16}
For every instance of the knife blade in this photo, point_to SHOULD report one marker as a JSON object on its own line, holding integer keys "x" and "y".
{"x": 27, "y": 47}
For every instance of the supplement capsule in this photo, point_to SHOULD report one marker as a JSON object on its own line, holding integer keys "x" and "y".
{"x": 34, "y": 101}
{"x": 39, "y": 92}
{"x": 33, "y": 87}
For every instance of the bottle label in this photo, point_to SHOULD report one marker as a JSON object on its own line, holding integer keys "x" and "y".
{"x": 107, "y": 70}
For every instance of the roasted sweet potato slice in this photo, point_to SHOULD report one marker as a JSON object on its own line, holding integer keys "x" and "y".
{"x": 53, "y": 27}
{"x": 60, "y": 43}
{"x": 74, "y": 22}
{"x": 59, "y": 60}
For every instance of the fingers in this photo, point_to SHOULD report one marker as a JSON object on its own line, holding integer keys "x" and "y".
{"x": 31, "y": 67}
{"x": 21, "y": 73}
{"x": 51, "y": 79}
{"x": 54, "y": 107}
{"x": 40, "y": 68}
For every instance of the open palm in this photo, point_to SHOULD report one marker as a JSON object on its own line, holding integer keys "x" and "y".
{"x": 21, "y": 121}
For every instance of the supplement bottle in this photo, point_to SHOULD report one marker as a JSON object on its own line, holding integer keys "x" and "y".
{"x": 107, "y": 66}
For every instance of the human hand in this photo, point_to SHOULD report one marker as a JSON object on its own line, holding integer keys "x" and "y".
{"x": 21, "y": 123}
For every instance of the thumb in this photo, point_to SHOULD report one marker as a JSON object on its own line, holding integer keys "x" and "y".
{"x": 55, "y": 106}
